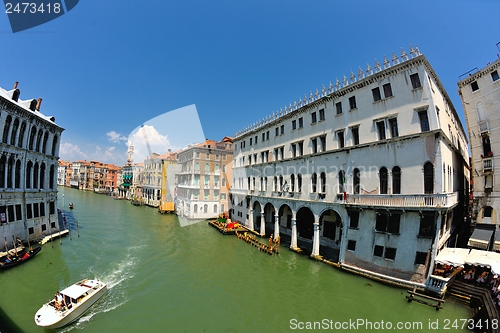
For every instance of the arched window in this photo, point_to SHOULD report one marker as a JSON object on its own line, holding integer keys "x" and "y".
{"x": 6, "y": 129}
{"x": 314, "y": 182}
{"x": 44, "y": 144}
{"x": 10, "y": 172}
{"x": 205, "y": 208}
{"x": 197, "y": 166}
{"x": 396, "y": 180}
{"x": 42, "y": 176}
{"x": 21, "y": 135}
{"x": 3, "y": 162}
{"x": 39, "y": 140}
{"x": 356, "y": 181}
{"x": 428, "y": 178}
{"x": 342, "y": 181}
{"x": 323, "y": 182}
{"x": 384, "y": 180}
{"x": 299, "y": 183}
{"x": 223, "y": 182}
{"x": 216, "y": 169}
{"x": 29, "y": 168}
{"x": 292, "y": 183}
{"x": 13, "y": 135}
{"x": 32, "y": 138}
{"x": 54, "y": 145}
{"x": 195, "y": 209}
{"x": 281, "y": 184}
{"x": 207, "y": 167}
{"x": 275, "y": 184}
{"x": 17, "y": 177}
{"x": 36, "y": 171}
{"x": 215, "y": 208}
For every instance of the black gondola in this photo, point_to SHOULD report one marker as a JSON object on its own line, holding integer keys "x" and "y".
{"x": 27, "y": 255}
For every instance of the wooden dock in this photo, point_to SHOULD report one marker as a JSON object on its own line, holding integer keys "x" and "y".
{"x": 50, "y": 237}
{"x": 413, "y": 297}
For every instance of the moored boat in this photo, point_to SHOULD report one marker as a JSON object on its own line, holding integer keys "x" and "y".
{"x": 14, "y": 260}
{"x": 70, "y": 303}
{"x": 71, "y": 206}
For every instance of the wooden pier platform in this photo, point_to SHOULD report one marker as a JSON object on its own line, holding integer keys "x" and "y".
{"x": 54, "y": 236}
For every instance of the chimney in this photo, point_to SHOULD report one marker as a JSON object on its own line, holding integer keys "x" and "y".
{"x": 38, "y": 104}
{"x": 15, "y": 85}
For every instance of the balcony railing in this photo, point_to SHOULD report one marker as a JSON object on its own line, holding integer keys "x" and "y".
{"x": 403, "y": 200}
{"x": 484, "y": 127}
{"x": 436, "y": 283}
{"x": 487, "y": 164}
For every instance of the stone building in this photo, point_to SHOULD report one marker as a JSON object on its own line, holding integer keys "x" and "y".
{"x": 28, "y": 168}
{"x": 370, "y": 172}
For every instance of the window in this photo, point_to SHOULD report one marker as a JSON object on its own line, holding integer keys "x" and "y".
{"x": 282, "y": 129}
{"x": 355, "y": 135}
{"x": 292, "y": 183}
{"x": 396, "y": 180}
{"x": 428, "y": 178}
{"x": 487, "y": 211}
{"x": 378, "y": 251}
{"x": 301, "y": 122}
{"x": 313, "y": 117}
{"x": 474, "y": 86}
{"x": 494, "y": 76}
{"x": 384, "y": 180}
{"x": 376, "y": 94}
{"x": 488, "y": 182}
{"x": 420, "y": 258}
{"x": 267, "y": 135}
{"x": 351, "y": 245}
{"x": 381, "y": 130}
{"x": 322, "y": 140}
{"x": 390, "y": 253}
{"x": 340, "y": 138}
{"x": 300, "y": 148}
{"x": 314, "y": 145}
{"x": 250, "y": 143}
{"x": 387, "y": 90}
{"x": 299, "y": 183}
{"x": 321, "y": 114}
{"x": 354, "y": 219}
{"x": 294, "y": 124}
{"x": 314, "y": 182}
{"x": 352, "y": 102}
{"x": 426, "y": 228}
{"x": 323, "y": 182}
{"x": 393, "y": 126}
{"x": 338, "y": 107}
{"x": 356, "y": 181}
{"x": 263, "y": 137}
{"x": 277, "y": 131}
{"x": 415, "y": 81}
{"x": 29, "y": 211}
{"x": 256, "y": 139}
{"x": 424, "y": 121}
{"x": 294, "y": 149}
{"x": 6, "y": 129}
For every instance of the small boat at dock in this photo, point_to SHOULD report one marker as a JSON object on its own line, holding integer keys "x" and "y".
{"x": 71, "y": 206}
{"x": 70, "y": 303}
{"x": 13, "y": 260}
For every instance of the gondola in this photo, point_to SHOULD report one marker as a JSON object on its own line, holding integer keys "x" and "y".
{"x": 22, "y": 258}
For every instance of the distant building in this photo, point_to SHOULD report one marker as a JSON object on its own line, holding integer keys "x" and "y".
{"x": 370, "y": 172}
{"x": 28, "y": 168}
{"x": 204, "y": 179}
{"x": 64, "y": 173}
{"x": 480, "y": 93}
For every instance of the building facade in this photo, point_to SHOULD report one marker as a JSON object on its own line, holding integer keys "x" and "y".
{"x": 480, "y": 93}
{"x": 370, "y": 173}
{"x": 204, "y": 179}
{"x": 28, "y": 169}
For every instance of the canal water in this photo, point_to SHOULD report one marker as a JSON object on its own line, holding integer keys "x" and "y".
{"x": 166, "y": 278}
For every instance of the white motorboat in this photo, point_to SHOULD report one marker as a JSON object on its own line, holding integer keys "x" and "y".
{"x": 69, "y": 304}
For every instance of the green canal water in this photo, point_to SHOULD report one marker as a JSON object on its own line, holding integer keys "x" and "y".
{"x": 166, "y": 278}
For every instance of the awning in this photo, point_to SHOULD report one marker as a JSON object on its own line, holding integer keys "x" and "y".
{"x": 480, "y": 239}
{"x": 496, "y": 245}
{"x": 74, "y": 291}
{"x": 452, "y": 256}
{"x": 125, "y": 184}
{"x": 484, "y": 258}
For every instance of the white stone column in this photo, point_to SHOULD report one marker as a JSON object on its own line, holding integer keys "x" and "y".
{"x": 293, "y": 243}
{"x": 315, "y": 249}
{"x": 276, "y": 226}
{"x": 262, "y": 224}
{"x": 250, "y": 223}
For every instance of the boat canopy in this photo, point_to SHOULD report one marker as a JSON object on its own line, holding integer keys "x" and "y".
{"x": 75, "y": 291}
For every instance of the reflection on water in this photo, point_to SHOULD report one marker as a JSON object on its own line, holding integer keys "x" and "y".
{"x": 164, "y": 277}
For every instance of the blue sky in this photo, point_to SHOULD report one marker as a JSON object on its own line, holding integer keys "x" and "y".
{"x": 107, "y": 67}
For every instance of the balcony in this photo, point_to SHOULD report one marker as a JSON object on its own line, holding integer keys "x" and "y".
{"x": 484, "y": 127}
{"x": 487, "y": 164}
{"x": 402, "y": 200}
{"x": 196, "y": 186}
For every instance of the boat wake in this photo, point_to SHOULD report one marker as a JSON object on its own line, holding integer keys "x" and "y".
{"x": 116, "y": 277}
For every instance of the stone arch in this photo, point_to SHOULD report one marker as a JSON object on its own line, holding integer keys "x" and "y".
{"x": 257, "y": 209}
{"x": 331, "y": 228}
{"x": 269, "y": 213}
{"x": 285, "y": 216}
{"x": 305, "y": 228}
